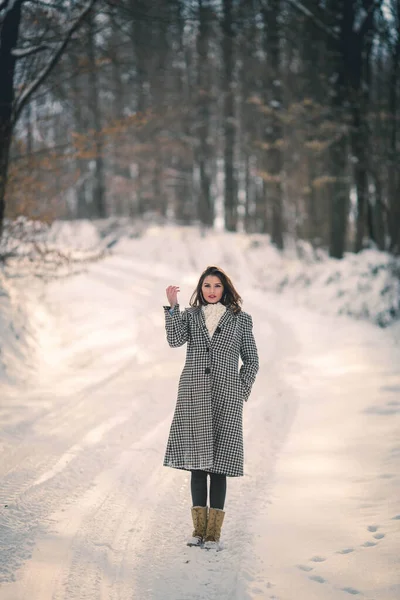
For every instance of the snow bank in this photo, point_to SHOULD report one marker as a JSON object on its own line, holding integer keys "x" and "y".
{"x": 32, "y": 247}
{"x": 365, "y": 285}
{"x": 74, "y": 235}
{"x": 18, "y": 339}
{"x": 32, "y": 252}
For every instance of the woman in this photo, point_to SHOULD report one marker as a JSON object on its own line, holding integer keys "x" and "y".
{"x": 206, "y": 434}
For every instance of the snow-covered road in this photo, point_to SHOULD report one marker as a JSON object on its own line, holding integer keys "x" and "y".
{"x": 87, "y": 511}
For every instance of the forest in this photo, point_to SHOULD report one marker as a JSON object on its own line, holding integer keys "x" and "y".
{"x": 279, "y": 117}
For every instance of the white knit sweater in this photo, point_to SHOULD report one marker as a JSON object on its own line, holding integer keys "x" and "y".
{"x": 212, "y": 315}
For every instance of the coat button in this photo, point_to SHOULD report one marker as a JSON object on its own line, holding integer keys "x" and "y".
{"x": 207, "y": 370}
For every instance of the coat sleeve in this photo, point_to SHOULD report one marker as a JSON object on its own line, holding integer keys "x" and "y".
{"x": 249, "y": 356}
{"x": 176, "y": 326}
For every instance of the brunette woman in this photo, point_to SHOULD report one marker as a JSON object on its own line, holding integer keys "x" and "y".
{"x": 206, "y": 435}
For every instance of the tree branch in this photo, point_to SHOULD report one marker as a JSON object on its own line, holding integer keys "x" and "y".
{"x": 24, "y": 52}
{"x": 27, "y": 93}
{"x": 47, "y": 5}
{"x": 308, "y": 13}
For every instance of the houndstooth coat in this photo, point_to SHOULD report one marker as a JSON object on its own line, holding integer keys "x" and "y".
{"x": 206, "y": 431}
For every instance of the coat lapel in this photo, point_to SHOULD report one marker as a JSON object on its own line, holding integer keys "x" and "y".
{"x": 201, "y": 322}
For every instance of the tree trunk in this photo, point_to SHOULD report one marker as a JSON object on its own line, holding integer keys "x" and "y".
{"x": 184, "y": 197}
{"x": 119, "y": 202}
{"x": 230, "y": 183}
{"x": 160, "y": 83}
{"x": 359, "y": 149}
{"x": 141, "y": 43}
{"x": 29, "y": 136}
{"x": 338, "y": 147}
{"x": 249, "y": 186}
{"x": 8, "y": 41}
{"x": 273, "y": 127}
{"x": 159, "y": 203}
{"x": 249, "y": 75}
{"x": 339, "y": 198}
{"x": 379, "y": 213}
{"x": 80, "y": 126}
{"x": 205, "y": 205}
{"x": 313, "y": 96}
{"x": 99, "y": 193}
{"x": 393, "y": 167}
{"x": 358, "y": 64}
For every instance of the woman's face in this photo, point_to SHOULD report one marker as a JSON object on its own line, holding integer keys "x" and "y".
{"x": 212, "y": 289}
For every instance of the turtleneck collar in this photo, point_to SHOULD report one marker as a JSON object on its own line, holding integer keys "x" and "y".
{"x": 212, "y": 314}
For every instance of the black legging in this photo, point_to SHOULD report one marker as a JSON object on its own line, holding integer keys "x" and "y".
{"x": 217, "y": 489}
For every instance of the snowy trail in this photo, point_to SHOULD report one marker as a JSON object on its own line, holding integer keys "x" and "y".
{"x": 92, "y": 514}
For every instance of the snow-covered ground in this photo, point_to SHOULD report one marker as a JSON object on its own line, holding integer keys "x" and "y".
{"x": 87, "y": 511}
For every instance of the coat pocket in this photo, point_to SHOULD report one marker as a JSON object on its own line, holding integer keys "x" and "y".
{"x": 242, "y": 393}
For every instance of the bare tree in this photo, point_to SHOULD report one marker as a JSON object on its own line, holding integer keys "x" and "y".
{"x": 11, "y": 102}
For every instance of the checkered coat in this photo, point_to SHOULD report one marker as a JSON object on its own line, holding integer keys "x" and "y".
{"x": 206, "y": 431}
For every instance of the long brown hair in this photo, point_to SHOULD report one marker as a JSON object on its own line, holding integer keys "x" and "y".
{"x": 230, "y": 297}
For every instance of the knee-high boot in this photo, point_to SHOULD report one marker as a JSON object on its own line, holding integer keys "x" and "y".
{"x": 213, "y": 531}
{"x": 199, "y": 517}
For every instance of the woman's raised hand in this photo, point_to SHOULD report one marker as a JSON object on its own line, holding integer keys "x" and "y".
{"x": 172, "y": 294}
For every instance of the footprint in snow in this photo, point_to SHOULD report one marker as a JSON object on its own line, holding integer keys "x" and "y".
{"x": 379, "y": 536}
{"x": 318, "y": 558}
{"x": 317, "y": 578}
{"x": 373, "y": 528}
{"x": 368, "y": 544}
{"x": 396, "y": 518}
{"x": 345, "y": 551}
{"x": 305, "y": 568}
{"x": 350, "y": 590}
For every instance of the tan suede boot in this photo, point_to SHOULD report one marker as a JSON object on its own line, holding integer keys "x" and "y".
{"x": 213, "y": 531}
{"x": 199, "y": 517}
